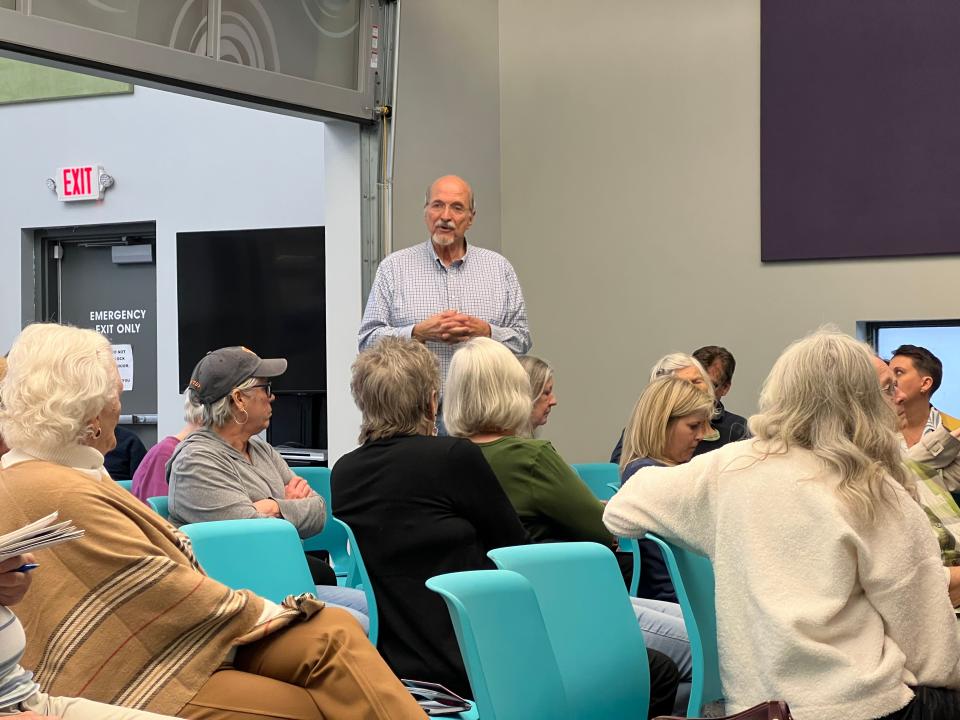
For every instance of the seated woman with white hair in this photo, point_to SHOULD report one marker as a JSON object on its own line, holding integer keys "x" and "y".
{"x": 686, "y": 367}
{"x": 125, "y": 614}
{"x": 487, "y": 400}
{"x": 829, "y": 588}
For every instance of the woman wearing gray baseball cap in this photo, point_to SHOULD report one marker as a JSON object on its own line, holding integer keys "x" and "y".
{"x": 224, "y": 471}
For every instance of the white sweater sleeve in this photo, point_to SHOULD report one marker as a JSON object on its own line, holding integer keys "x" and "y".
{"x": 673, "y": 502}
{"x": 901, "y": 576}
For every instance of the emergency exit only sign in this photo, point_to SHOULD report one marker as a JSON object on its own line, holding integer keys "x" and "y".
{"x": 80, "y": 182}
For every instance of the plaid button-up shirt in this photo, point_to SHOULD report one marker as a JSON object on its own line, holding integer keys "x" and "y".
{"x": 413, "y": 284}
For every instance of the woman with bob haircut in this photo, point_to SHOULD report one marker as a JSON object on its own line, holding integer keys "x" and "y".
{"x": 487, "y": 400}
{"x": 668, "y": 422}
{"x": 686, "y": 367}
{"x": 419, "y": 506}
{"x": 541, "y": 390}
{"x": 829, "y": 588}
{"x": 125, "y": 614}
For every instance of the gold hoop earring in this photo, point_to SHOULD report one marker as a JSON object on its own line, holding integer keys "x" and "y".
{"x": 246, "y": 416}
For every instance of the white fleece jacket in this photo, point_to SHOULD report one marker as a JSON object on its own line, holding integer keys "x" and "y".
{"x": 839, "y": 617}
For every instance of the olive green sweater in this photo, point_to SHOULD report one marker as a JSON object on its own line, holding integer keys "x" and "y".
{"x": 552, "y": 501}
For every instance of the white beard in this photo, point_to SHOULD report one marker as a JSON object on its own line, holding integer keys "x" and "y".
{"x": 442, "y": 241}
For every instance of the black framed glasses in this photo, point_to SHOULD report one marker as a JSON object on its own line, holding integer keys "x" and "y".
{"x": 268, "y": 386}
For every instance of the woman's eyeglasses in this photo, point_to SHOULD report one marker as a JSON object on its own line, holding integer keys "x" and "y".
{"x": 266, "y": 386}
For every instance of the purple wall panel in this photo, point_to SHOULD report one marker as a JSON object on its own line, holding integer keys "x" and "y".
{"x": 860, "y": 128}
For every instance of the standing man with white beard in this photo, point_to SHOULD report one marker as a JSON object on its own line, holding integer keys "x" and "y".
{"x": 444, "y": 292}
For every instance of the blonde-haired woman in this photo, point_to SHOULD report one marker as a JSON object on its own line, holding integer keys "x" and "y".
{"x": 669, "y": 420}
{"x": 830, "y": 592}
{"x": 487, "y": 400}
{"x": 125, "y": 614}
{"x": 667, "y": 423}
{"x": 541, "y": 390}
{"x": 686, "y": 367}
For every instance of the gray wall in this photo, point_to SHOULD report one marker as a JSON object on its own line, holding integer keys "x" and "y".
{"x": 630, "y": 206}
{"x": 447, "y": 112}
{"x": 189, "y": 165}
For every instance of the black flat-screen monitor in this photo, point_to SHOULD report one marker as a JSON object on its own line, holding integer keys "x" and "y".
{"x": 264, "y": 289}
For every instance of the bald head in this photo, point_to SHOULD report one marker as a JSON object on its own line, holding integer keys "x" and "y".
{"x": 449, "y": 211}
{"x": 454, "y": 183}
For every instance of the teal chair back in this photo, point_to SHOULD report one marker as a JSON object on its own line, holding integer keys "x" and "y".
{"x": 160, "y": 505}
{"x": 598, "y": 477}
{"x": 506, "y": 651}
{"x": 259, "y": 554}
{"x": 317, "y": 478}
{"x": 125, "y": 484}
{"x": 692, "y": 577}
{"x": 358, "y": 577}
{"x": 335, "y": 541}
{"x": 331, "y": 538}
{"x": 591, "y": 625}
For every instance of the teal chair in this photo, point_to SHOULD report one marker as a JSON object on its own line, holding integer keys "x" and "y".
{"x": 160, "y": 505}
{"x": 125, "y": 484}
{"x": 508, "y": 656}
{"x": 331, "y": 538}
{"x": 259, "y": 554}
{"x": 692, "y": 577}
{"x": 597, "y": 642}
{"x": 598, "y": 477}
{"x": 335, "y": 541}
{"x": 358, "y": 577}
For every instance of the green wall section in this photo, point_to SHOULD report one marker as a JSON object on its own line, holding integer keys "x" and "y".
{"x": 27, "y": 82}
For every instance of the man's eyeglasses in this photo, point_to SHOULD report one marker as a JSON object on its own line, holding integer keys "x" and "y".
{"x": 890, "y": 389}
{"x": 266, "y": 386}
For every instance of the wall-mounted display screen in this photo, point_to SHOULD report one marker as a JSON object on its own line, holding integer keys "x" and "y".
{"x": 264, "y": 289}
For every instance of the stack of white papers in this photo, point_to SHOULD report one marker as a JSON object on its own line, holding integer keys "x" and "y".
{"x": 39, "y": 534}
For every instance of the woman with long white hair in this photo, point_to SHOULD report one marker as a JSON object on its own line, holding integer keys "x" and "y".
{"x": 829, "y": 588}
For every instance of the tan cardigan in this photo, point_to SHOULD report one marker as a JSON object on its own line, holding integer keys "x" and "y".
{"x": 123, "y": 615}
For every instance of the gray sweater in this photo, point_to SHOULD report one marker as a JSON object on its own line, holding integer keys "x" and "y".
{"x": 210, "y": 480}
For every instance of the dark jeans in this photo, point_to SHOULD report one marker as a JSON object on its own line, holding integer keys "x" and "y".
{"x": 929, "y": 704}
{"x": 664, "y": 679}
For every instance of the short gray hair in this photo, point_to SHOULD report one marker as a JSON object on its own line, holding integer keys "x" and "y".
{"x": 675, "y": 362}
{"x": 219, "y": 413}
{"x": 487, "y": 390}
{"x": 393, "y": 383}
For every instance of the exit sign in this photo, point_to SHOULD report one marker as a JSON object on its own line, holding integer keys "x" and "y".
{"x": 81, "y": 182}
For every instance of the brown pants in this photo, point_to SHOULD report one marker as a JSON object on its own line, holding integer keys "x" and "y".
{"x": 322, "y": 668}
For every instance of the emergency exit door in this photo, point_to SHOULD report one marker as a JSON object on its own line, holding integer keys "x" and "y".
{"x": 104, "y": 279}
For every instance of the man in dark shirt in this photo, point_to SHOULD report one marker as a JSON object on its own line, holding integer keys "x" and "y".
{"x": 720, "y": 364}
